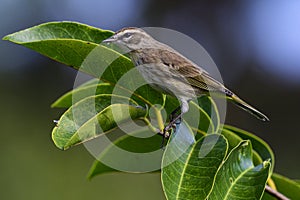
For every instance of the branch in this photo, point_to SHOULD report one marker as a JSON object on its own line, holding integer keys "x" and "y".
{"x": 275, "y": 193}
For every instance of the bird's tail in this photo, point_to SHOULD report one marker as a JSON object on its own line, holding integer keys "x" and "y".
{"x": 242, "y": 104}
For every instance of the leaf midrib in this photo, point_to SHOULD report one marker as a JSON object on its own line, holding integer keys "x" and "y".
{"x": 238, "y": 178}
{"x": 184, "y": 169}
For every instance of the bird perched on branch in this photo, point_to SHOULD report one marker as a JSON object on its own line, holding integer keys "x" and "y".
{"x": 168, "y": 71}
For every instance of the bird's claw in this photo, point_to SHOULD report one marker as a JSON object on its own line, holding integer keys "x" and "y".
{"x": 175, "y": 120}
{"x": 167, "y": 131}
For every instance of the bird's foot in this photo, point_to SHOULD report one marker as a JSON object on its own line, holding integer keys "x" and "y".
{"x": 175, "y": 120}
{"x": 169, "y": 129}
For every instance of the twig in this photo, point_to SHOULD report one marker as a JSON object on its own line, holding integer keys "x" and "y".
{"x": 275, "y": 193}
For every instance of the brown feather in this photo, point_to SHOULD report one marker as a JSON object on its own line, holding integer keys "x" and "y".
{"x": 182, "y": 67}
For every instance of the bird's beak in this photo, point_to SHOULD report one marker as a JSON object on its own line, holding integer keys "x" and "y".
{"x": 110, "y": 40}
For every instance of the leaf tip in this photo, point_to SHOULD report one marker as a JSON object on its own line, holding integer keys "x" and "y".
{"x": 53, "y": 105}
{"x": 245, "y": 143}
{"x": 267, "y": 163}
{"x": 64, "y": 148}
{"x": 89, "y": 176}
{"x": 7, "y": 37}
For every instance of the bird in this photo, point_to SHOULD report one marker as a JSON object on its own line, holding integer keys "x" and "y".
{"x": 168, "y": 71}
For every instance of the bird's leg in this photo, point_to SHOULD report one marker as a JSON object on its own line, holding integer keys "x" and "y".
{"x": 172, "y": 124}
{"x": 175, "y": 121}
{"x": 175, "y": 118}
{"x": 174, "y": 114}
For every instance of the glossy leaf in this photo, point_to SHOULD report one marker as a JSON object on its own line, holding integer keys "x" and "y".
{"x": 260, "y": 146}
{"x": 234, "y": 140}
{"x": 210, "y": 107}
{"x": 199, "y": 119}
{"x": 74, "y": 44}
{"x": 67, "y": 42}
{"x": 188, "y": 173}
{"x": 91, "y": 117}
{"x": 238, "y": 178}
{"x": 63, "y": 29}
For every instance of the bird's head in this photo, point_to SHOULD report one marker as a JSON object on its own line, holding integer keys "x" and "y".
{"x": 131, "y": 38}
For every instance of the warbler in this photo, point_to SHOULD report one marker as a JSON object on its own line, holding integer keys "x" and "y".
{"x": 168, "y": 71}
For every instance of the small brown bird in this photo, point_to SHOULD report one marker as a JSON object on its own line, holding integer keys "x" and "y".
{"x": 168, "y": 71}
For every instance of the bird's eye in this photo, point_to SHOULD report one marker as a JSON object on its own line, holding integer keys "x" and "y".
{"x": 127, "y": 35}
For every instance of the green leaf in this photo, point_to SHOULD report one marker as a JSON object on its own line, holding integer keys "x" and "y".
{"x": 197, "y": 116}
{"x": 260, "y": 146}
{"x": 188, "y": 173}
{"x": 72, "y": 97}
{"x": 210, "y": 107}
{"x": 92, "y": 116}
{"x": 286, "y": 186}
{"x": 235, "y": 140}
{"x": 136, "y": 142}
{"x": 73, "y": 44}
{"x": 238, "y": 178}
{"x": 57, "y": 30}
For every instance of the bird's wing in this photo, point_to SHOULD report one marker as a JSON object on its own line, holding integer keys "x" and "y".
{"x": 186, "y": 70}
{"x": 193, "y": 74}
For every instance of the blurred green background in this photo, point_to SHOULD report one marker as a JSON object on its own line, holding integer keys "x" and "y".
{"x": 255, "y": 44}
